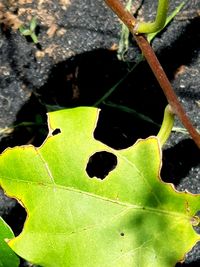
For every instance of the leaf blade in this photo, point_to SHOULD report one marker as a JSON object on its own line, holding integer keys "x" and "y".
{"x": 74, "y": 220}
{"x": 7, "y": 256}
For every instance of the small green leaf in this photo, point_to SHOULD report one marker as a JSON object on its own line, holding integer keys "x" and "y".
{"x": 24, "y": 31}
{"x": 7, "y": 257}
{"x": 34, "y": 38}
{"x": 31, "y": 31}
{"x": 130, "y": 218}
{"x": 33, "y": 24}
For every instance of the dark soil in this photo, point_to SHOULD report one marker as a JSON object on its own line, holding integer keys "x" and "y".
{"x": 75, "y": 63}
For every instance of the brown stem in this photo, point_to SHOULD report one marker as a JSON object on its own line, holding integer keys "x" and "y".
{"x": 123, "y": 14}
{"x": 156, "y": 67}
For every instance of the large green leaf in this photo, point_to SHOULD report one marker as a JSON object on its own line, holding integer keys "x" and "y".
{"x": 131, "y": 218}
{"x": 7, "y": 256}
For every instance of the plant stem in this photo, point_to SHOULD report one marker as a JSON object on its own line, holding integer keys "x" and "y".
{"x": 34, "y": 37}
{"x": 158, "y": 24}
{"x": 133, "y": 112}
{"x": 151, "y": 36}
{"x": 167, "y": 125}
{"x": 113, "y": 88}
{"x": 123, "y": 14}
{"x": 156, "y": 67}
{"x": 167, "y": 87}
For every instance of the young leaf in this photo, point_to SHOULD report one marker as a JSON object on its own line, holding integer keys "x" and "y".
{"x": 24, "y": 31}
{"x": 33, "y": 24}
{"x": 130, "y": 218}
{"x": 7, "y": 256}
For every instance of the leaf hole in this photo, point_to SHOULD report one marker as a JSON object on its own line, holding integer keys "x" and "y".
{"x": 56, "y": 131}
{"x": 100, "y": 164}
{"x": 122, "y": 234}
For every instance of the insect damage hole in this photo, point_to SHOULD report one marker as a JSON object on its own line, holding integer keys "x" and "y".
{"x": 56, "y": 131}
{"x": 100, "y": 164}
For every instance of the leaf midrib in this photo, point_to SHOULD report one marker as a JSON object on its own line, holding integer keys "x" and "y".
{"x": 124, "y": 204}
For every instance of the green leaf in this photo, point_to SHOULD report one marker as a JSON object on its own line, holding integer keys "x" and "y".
{"x": 34, "y": 38}
{"x": 33, "y": 24}
{"x": 7, "y": 256}
{"x": 130, "y": 218}
{"x": 24, "y": 31}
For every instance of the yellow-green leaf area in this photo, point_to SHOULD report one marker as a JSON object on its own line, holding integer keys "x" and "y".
{"x": 130, "y": 218}
{"x": 7, "y": 257}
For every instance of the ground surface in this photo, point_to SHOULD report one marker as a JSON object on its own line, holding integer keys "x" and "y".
{"x": 75, "y": 63}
